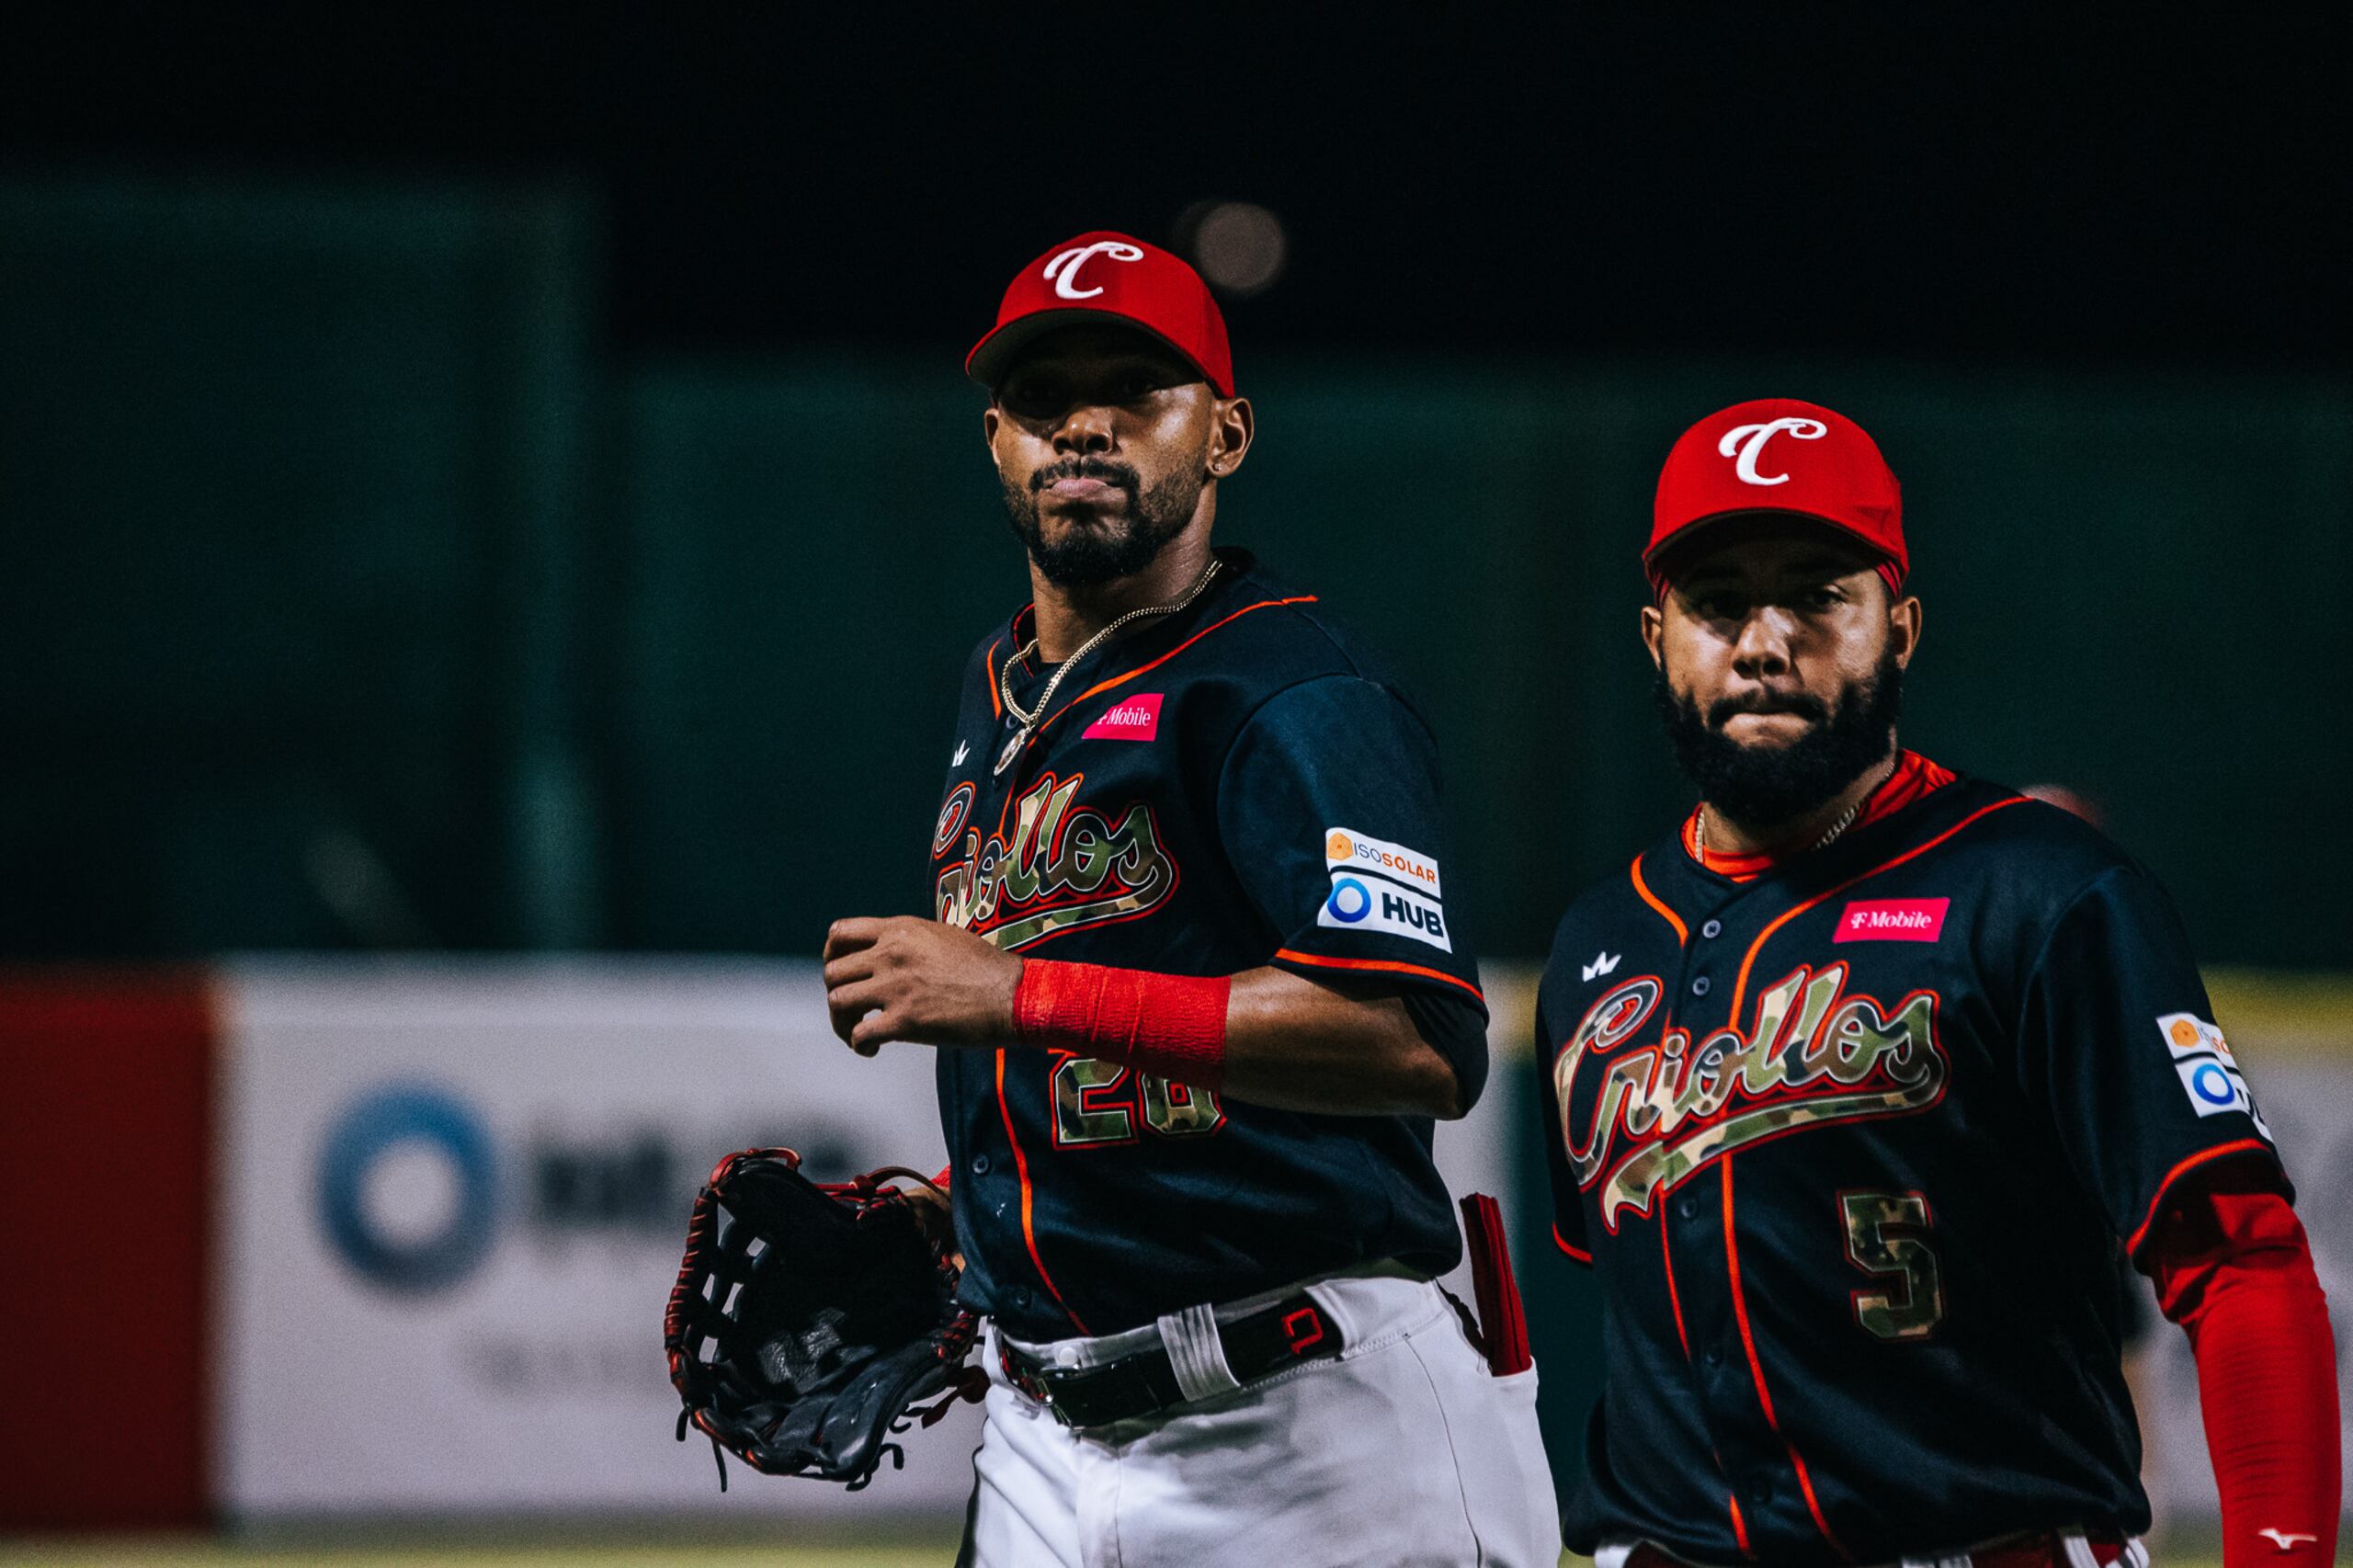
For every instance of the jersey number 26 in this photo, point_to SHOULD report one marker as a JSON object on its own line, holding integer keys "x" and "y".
{"x": 1096, "y": 1103}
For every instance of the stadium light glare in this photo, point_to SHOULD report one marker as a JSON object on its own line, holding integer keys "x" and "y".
{"x": 1239, "y": 247}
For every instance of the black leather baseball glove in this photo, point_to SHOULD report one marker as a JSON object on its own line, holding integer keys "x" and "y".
{"x": 809, "y": 1318}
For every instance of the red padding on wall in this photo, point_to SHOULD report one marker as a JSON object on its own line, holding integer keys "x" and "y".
{"x": 105, "y": 1220}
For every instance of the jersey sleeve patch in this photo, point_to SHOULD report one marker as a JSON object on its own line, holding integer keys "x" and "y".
{"x": 2210, "y": 1075}
{"x": 2132, "y": 1112}
{"x": 1328, "y": 805}
{"x": 1345, "y": 849}
{"x": 1379, "y": 885}
{"x": 1374, "y": 904}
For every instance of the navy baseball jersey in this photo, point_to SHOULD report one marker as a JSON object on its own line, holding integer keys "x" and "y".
{"x": 1231, "y": 786}
{"x": 1852, "y": 1142}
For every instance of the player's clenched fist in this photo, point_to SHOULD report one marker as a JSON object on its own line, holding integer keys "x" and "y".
{"x": 918, "y": 981}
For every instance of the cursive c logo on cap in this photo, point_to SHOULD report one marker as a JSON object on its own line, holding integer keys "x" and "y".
{"x": 1063, "y": 269}
{"x": 1751, "y": 440}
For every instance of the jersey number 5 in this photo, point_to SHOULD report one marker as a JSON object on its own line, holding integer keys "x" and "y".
{"x": 1096, "y": 1104}
{"x": 1887, "y": 1233}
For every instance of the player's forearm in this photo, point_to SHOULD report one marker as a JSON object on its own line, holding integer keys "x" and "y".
{"x": 1266, "y": 1036}
{"x": 2233, "y": 1268}
{"x": 2266, "y": 1386}
{"x": 1292, "y": 1044}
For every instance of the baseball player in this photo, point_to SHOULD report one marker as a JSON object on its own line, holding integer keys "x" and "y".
{"x": 1859, "y": 1081}
{"x": 1199, "y": 995}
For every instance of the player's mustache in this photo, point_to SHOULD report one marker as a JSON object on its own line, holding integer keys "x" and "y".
{"x": 1104, "y": 469}
{"x": 1802, "y": 704}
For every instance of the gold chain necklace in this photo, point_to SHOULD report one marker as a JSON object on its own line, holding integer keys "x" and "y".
{"x": 1700, "y": 829}
{"x": 1045, "y": 699}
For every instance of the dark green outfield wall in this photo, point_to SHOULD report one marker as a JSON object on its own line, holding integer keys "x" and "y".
{"x": 2136, "y": 586}
{"x": 290, "y": 486}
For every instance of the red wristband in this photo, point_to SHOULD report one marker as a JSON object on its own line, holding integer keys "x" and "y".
{"x": 1171, "y": 1026}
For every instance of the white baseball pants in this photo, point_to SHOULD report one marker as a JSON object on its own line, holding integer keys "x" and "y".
{"x": 1403, "y": 1450}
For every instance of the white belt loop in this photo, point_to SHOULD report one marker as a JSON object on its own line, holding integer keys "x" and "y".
{"x": 1196, "y": 1353}
{"x": 1613, "y": 1554}
{"x": 2078, "y": 1550}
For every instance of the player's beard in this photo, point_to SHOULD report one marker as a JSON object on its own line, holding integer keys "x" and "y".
{"x": 1762, "y": 786}
{"x": 1103, "y": 552}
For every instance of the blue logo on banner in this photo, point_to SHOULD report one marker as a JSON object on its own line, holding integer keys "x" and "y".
{"x": 377, "y": 1125}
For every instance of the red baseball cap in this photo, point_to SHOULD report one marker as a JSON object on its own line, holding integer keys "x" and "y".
{"x": 1777, "y": 454}
{"x": 1108, "y": 277}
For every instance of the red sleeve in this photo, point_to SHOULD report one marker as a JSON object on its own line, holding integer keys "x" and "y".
{"x": 2231, "y": 1266}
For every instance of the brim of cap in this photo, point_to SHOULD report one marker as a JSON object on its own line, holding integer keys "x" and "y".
{"x": 1683, "y": 535}
{"x": 994, "y": 355}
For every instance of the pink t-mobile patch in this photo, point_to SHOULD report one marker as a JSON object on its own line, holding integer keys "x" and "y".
{"x": 1135, "y": 718}
{"x": 1893, "y": 920}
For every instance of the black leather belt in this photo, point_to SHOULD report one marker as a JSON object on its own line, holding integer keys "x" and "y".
{"x": 1294, "y": 1330}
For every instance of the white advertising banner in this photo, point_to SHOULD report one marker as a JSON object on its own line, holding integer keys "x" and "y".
{"x": 453, "y": 1195}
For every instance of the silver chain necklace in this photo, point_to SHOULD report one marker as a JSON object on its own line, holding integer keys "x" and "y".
{"x": 1045, "y": 699}
{"x": 1700, "y": 829}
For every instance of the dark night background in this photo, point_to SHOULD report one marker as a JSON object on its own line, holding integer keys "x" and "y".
{"x": 1983, "y": 182}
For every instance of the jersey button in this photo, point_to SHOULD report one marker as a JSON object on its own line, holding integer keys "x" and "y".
{"x": 1689, "y": 1207}
{"x": 1021, "y": 1297}
{"x": 1712, "y": 928}
{"x": 1699, "y": 986}
{"x": 1715, "y": 1356}
{"x": 979, "y": 1165}
{"x": 1760, "y": 1493}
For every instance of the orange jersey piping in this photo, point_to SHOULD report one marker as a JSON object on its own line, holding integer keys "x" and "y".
{"x": 1682, "y": 932}
{"x": 1757, "y": 1367}
{"x": 2238, "y": 1146}
{"x": 1674, "y": 1301}
{"x": 1029, "y": 1229}
{"x": 1122, "y": 679}
{"x": 1388, "y": 965}
{"x": 1740, "y": 984}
